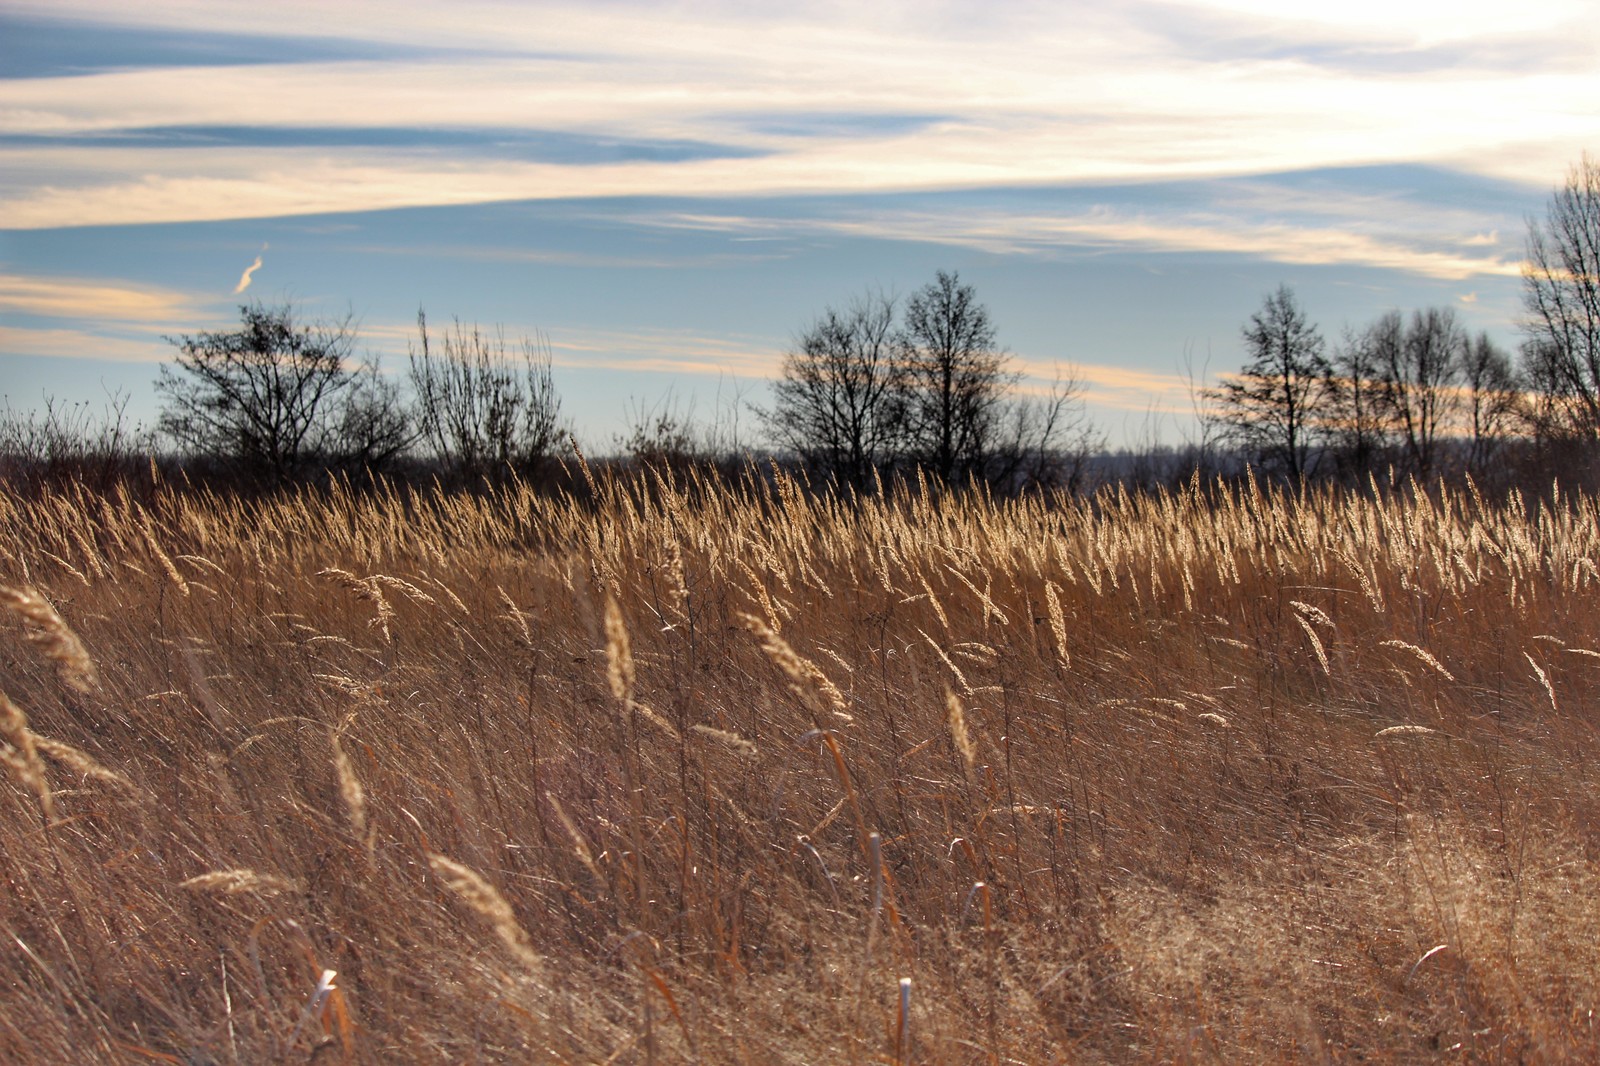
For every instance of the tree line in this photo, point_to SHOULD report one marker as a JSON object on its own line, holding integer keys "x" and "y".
{"x": 882, "y": 387}
{"x": 1412, "y": 393}
{"x": 1416, "y": 393}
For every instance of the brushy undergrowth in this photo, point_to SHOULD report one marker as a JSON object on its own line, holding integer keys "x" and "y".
{"x": 682, "y": 769}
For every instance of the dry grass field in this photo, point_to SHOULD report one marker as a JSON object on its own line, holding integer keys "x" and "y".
{"x": 686, "y": 770}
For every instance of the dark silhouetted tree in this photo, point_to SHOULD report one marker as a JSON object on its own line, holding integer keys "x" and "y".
{"x": 1276, "y": 407}
{"x": 859, "y": 394}
{"x": 1493, "y": 398}
{"x": 1561, "y": 298}
{"x": 1046, "y": 440}
{"x": 484, "y": 408}
{"x": 71, "y": 442}
{"x": 958, "y": 377}
{"x": 840, "y": 401}
{"x": 264, "y": 398}
{"x": 1418, "y": 376}
{"x": 374, "y": 426}
{"x": 1358, "y": 427}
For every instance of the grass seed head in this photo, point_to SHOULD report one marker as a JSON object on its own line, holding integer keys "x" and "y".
{"x": 730, "y": 740}
{"x": 168, "y": 567}
{"x": 1312, "y": 613}
{"x": 233, "y": 882}
{"x": 1058, "y": 623}
{"x": 1423, "y": 655}
{"x": 20, "y": 754}
{"x": 79, "y": 761}
{"x": 619, "y": 654}
{"x": 806, "y": 679}
{"x": 478, "y": 894}
{"x": 350, "y": 790}
{"x": 956, "y": 720}
{"x": 1316, "y": 644}
{"x": 1407, "y": 731}
{"x": 48, "y": 632}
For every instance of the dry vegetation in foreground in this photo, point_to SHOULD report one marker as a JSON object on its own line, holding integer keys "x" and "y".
{"x": 704, "y": 771}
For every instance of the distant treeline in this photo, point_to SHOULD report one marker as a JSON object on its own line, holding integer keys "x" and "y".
{"x": 883, "y": 389}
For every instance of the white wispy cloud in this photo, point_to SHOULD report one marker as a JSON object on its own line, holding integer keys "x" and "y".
{"x": 244, "y": 279}
{"x": 1106, "y": 387}
{"x": 94, "y": 298}
{"x": 83, "y": 344}
{"x": 670, "y": 351}
{"x": 581, "y": 348}
{"x": 1024, "y": 232}
{"x": 1421, "y": 21}
{"x": 1022, "y": 94}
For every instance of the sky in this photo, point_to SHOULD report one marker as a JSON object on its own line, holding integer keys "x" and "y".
{"x": 670, "y": 193}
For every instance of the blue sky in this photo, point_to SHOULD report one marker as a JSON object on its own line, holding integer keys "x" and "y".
{"x": 670, "y": 192}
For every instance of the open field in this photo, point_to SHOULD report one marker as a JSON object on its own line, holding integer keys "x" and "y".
{"x": 701, "y": 771}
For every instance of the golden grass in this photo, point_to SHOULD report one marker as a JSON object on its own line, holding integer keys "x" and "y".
{"x": 683, "y": 769}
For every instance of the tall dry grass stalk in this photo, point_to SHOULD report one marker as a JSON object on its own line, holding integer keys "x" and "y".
{"x": 515, "y": 616}
{"x": 1544, "y": 680}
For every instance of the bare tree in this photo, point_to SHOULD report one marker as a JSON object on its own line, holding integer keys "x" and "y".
{"x": 958, "y": 376}
{"x": 859, "y": 394}
{"x": 482, "y": 407}
{"x": 263, "y": 397}
{"x": 1046, "y": 440}
{"x": 840, "y": 402}
{"x": 1493, "y": 395}
{"x": 1359, "y": 427}
{"x": 1550, "y": 408}
{"x": 1199, "y": 453}
{"x": 1276, "y": 406}
{"x": 71, "y": 441}
{"x": 1418, "y": 377}
{"x": 666, "y": 433}
{"x": 1561, "y": 297}
{"x": 373, "y": 427}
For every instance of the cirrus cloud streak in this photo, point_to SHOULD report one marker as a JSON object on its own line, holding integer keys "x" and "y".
{"x": 1020, "y": 96}
{"x": 119, "y": 301}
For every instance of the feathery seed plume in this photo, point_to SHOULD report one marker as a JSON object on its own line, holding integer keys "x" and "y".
{"x": 20, "y": 754}
{"x": 619, "y": 654}
{"x": 232, "y": 882}
{"x": 484, "y": 898}
{"x": 52, "y": 636}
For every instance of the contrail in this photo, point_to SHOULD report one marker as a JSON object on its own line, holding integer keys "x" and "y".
{"x": 244, "y": 279}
